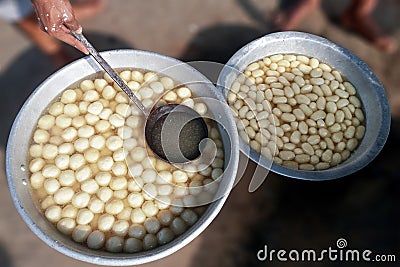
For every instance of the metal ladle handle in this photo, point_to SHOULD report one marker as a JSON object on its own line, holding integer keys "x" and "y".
{"x": 96, "y": 55}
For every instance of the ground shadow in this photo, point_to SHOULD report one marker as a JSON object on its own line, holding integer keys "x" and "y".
{"x": 361, "y": 208}
{"x": 255, "y": 13}
{"x": 29, "y": 69}
{"x": 5, "y": 259}
{"x": 220, "y": 42}
{"x": 291, "y": 214}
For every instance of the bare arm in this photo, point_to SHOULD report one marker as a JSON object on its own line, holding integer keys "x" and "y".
{"x": 57, "y": 19}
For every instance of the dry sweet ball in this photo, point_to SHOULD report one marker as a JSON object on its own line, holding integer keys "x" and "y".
{"x": 97, "y": 181}
{"x": 298, "y": 111}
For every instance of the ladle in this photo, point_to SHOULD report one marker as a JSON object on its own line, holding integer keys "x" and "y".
{"x": 172, "y": 131}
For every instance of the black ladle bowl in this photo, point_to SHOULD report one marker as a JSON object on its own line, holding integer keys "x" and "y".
{"x": 172, "y": 131}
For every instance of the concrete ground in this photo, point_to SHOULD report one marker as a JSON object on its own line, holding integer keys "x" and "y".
{"x": 284, "y": 213}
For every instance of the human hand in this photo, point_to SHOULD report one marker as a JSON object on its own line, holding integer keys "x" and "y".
{"x": 56, "y": 17}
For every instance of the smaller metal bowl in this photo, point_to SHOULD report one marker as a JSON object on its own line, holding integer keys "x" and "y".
{"x": 369, "y": 89}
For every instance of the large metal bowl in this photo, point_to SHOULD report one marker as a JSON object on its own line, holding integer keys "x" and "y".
{"x": 25, "y": 123}
{"x": 369, "y": 88}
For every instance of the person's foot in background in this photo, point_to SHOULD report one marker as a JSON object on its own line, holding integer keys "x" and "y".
{"x": 52, "y": 48}
{"x": 288, "y": 20}
{"x": 358, "y": 17}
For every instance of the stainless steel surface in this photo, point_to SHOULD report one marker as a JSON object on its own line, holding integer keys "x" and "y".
{"x": 96, "y": 55}
{"x": 369, "y": 88}
{"x": 25, "y": 123}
